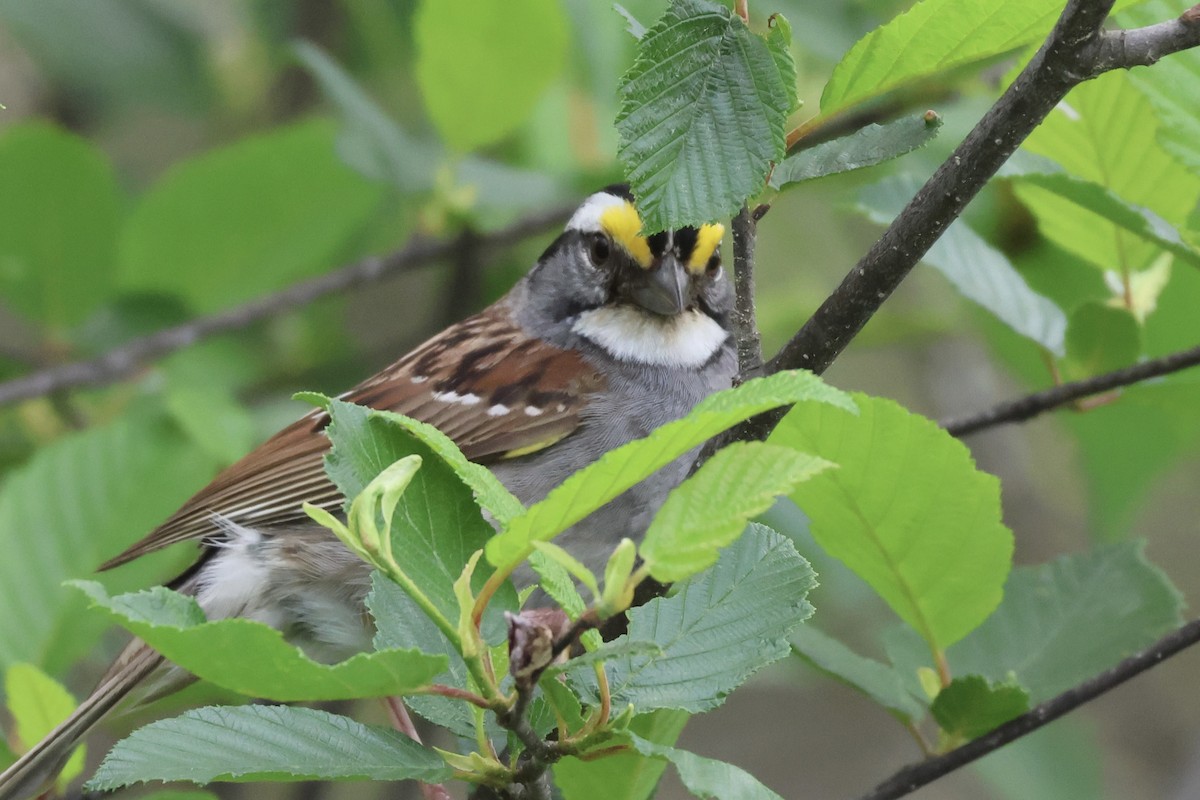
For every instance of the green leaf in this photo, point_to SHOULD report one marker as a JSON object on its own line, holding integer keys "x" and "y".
{"x": 877, "y": 681}
{"x": 907, "y": 511}
{"x": 706, "y": 777}
{"x": 1172, "y": 87}
{"x": 59, "y": 217}
{"x": 482, "y": 66}
{"x": 1106, "y": 132}
{"x": 866, "y": 147}
{"x": 715, "y": 631}
{"x": 264, "y": 743}
{"x": 1069, "y": 209}
{"x": 977, "y": 270}
{"x": 369, "y": 141}
{"x": 254, "y": 659}
{"x": 86, "y": 497}
{"x": 626, "y": 776}
{"x": 37, "y": 704}
{"x": 971, "y": 706}
{"x": 1067, "y": 620}
{"x": 213, "y": 419}
{"x": 703, "y": 114}
{"x": 1062, "y": 761}
{"x": 711, "y": 508}
{"x": 1100, "y": 339}
{"x": 244, "y": 220}
{"x": 619, "y": 469}
{"x": 932, "y": 38}
{"x": 437, "y": 525}
{"x": 556, "y": 581}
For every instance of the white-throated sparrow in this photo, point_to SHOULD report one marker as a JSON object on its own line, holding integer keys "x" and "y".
{"x": 610, "y": 335}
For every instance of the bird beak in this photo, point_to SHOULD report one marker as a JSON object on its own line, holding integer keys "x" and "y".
{"x": 662, "y": 289}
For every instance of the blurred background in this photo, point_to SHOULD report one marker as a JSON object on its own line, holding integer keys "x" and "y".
{"x": 163, "y": 160}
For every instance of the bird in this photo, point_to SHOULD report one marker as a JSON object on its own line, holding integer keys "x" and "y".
{"x": 611, "y": 334}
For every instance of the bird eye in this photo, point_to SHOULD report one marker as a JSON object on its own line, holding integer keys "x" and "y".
{"x": 599, "y": 249}
{"x": 714, "y": 264}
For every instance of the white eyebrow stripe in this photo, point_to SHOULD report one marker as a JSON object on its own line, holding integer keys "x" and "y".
{"x": 587, "y": 217}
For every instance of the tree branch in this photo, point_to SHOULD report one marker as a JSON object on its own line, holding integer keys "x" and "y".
{"x": 912, "y": 777}
{"x": 1031, "y": 405}
{"x": 125, "y": 360}
{"x": 745, "y": 321}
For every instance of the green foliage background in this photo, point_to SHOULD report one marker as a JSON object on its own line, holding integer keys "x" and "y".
{"x": 159, "y": 161}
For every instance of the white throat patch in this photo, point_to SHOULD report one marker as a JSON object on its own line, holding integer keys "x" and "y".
{"x": 630, "y": 334}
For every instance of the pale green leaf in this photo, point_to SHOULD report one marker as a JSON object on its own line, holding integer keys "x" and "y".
{"x": 556, "y": 581}
{"x": 876, "y": 680}
{"x": 976, "y": 269}
{"x": 706, "y": 777}
{"x": 78, "y": 501}
{"x": 251, "y": 658}
{"x": 37, "y": 704}
{"x": 715, "y": 630}
{"x": 437, "y": 525}
{"x": 1100, "y": 339}
{"x": 1062, "y": 761}
{"x": 1067, "y": 620}
{"x": 264, "y": 743}
{"x": 1106, "y": 132}
{"x": 711, "y": 508}
{"x": 972, "y": 705}
{"x": 907, "y": 511}
{"x": 866, "y": 147}
{"x": 213, "y": 419}
{"x": 60, "y": 211}
{"x": 626, "y": 776}
{"x": 619, "y": 469}
{"x": 254, "y": 216}
{"x": 1172, "y": 86}
{"x": 703, "y": 114}
{"x": 482, "y": 66}
{"x": 932, "y": 38}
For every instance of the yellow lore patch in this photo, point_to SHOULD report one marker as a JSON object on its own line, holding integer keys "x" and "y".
{"x": 622, "y": 223}
{"x": 708, "y": 239}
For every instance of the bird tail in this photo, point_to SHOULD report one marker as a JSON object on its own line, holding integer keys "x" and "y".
{"x": 33, "y": 771}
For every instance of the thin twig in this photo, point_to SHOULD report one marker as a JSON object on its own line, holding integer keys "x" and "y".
{"x": 912, "y": 777}
{"x": 1031, "y": 405}
{"x": 129, "y": 358}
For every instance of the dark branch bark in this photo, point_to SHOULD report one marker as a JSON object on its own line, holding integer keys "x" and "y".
{"x": 913, "y": 777}
{"x": 745, "y": 322}
{"x": 129, "y": 358}
{"x": 1029, "y": 406}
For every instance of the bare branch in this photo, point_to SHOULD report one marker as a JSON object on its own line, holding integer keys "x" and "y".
{"x": 745, "y": 321}
{"x": 125, "y": 360}
{"x": 913, "y": 777}
{"x": 1029, "y": 406}
{"x": 1143, "y": 47}
{"x": 1059, "y": 65}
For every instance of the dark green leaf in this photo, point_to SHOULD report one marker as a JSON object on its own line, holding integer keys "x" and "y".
{"x": 702, "y": 116}
{"x": 59, "y": 218}
{"x": 261, "y": 743}
{"x": 715, "y": 631}
{"x": 906, "y": 510}
{"x": 711, "y": 508}
{"x": 971, "y": 706}
{"x": 865, "y": 147}
{"x": 1062, "y": 761}
{"x": 876, "y": 680}
{"x": 1067, "y": 620}
{"x": 707, "y": 777}
{"x": 252, "y": 658}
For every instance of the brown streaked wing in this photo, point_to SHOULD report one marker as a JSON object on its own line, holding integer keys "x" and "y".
{"x": 479, "y": 382}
